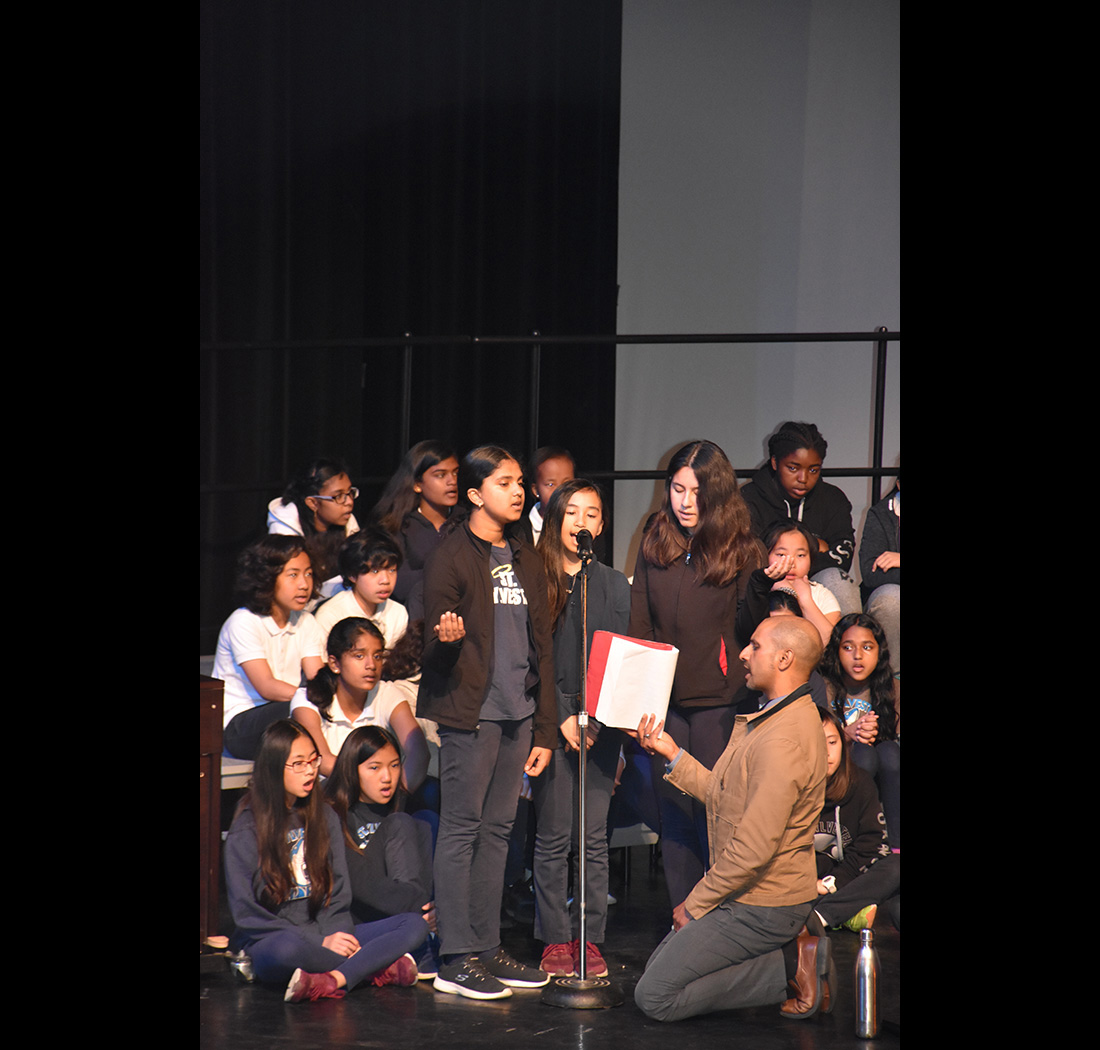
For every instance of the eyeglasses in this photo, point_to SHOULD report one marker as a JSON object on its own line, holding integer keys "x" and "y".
{"x": 300, "y": 767}
{"x": 342, "y": 497}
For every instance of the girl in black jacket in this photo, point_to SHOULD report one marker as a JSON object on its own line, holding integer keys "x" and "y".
{"x": 488, "y": 682}
{"x": 856, "y": 869}
{"x": 692, "y": 569}
{"x": 789, "y": 488}
{"x": 577, "y": 505}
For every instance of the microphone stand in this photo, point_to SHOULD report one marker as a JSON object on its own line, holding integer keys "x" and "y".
{"x": 582, "y": 992}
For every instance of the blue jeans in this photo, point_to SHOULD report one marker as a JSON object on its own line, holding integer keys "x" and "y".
{"x": 276, "y": 957}
{"x": 883, "y": 762}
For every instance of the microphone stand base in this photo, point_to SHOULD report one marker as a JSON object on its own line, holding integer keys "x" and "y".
{"x": 571, "y": 993}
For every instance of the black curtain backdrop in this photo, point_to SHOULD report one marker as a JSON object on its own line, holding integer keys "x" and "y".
{"x": 437, "y": 167}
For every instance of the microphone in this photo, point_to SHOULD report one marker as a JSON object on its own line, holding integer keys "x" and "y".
{"x": 584, "y": 543}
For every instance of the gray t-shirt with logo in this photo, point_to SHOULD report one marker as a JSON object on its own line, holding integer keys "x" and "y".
{"x": 507, "y": 698}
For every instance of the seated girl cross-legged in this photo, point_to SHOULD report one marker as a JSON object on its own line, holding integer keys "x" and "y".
{"x": 288, "y": 888}
{"x": 389, "y": 852}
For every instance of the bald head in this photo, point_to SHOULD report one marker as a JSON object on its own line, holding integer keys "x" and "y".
{"x": 782, "y": 653}
{"x": 798, "y": 635}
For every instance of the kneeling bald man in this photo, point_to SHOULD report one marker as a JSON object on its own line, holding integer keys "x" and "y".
{"x": 735, "y": 939}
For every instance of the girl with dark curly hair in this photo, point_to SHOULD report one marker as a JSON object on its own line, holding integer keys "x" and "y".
{"x": 866, "y": 697}
{"x": 269, "y": 643}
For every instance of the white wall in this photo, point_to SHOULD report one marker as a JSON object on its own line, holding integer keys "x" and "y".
{"x": 758, "y": 192}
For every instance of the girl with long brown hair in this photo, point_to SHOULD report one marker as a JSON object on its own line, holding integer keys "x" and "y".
{"x": 287, "y": 882}
{"x": 692, "y": 570}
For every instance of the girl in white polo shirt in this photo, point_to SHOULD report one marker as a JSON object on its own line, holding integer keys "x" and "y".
{"x": 348, "y": 693}
{"x": 267, "y": 645}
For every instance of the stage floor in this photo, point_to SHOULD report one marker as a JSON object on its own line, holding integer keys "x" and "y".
{"x": 235, "y": 1015}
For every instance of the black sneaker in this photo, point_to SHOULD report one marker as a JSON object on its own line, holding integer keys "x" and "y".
{"x": 469, "y": 978}
{"x": 514, "y": 974}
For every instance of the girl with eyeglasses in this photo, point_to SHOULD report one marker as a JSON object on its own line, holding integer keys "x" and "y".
{"x": 317, "y": 505}
{"x": 267, "y": 645}
{"x": 288, "y": 887}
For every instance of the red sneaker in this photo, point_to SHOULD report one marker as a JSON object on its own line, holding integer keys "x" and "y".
{"x": 312, "y": 986}
{"x": 557, "y": 960}
{"x": 593, "y": 960}
{"x": 403, "y": 973}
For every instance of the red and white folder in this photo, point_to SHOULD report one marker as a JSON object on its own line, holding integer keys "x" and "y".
{"x": 629, "y": 678}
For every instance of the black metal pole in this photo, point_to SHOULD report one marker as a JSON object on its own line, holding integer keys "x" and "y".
{"x": 406, "y": 395}
{"x": 536, "y": 365}
{"x": 880, "y": 415}
{"x": 582, "y": 992}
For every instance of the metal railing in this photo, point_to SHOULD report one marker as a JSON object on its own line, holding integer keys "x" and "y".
{"x": 880, "y": 337}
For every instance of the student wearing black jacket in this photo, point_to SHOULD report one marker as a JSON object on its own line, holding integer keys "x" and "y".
{"x": 576, "y": 505}
{"x": 789, "y": 488}
{"x": 488, "y": 681}
{"x": 692, "y": 569}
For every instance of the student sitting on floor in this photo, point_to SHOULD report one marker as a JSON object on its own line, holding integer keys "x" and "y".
{"x": 856, "y": 871}
{"x": 389, "y": 852}
{"x": 287, "y": 882}
{"x": 866, "y": 696}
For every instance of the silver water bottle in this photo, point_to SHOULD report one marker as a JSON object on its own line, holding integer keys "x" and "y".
{"x": 867, "y": 970}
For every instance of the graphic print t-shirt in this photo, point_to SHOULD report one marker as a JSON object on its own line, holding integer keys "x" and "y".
{"x": 300, "y": 890}
{"x": 364, "y": 819}
{"x": 507, "y": 698}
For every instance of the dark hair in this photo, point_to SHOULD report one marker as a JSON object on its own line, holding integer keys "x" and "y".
{"x": 398, "y": 498}
{"x": 547, "y": 452}
{"x": 771, "y": 537}
{"x": 473, "y": 469}
{"x": 266, "y": 797}
{"x": 404, "y": 658}
{"x": 723, "y": 541}
{"x": 342, "y": 638}
{"x": 881, "y": 680}
{"x": 791, "y": 436}
{"x": 342, "y": 788}
{"x": 838, "y": 784}
{"x": 366, "y": 550}
{"x": 309, "y": 482}
{"x": 550, "y": 548}
{"x": 258, "y": 567}
{"x": 782, "y": 599}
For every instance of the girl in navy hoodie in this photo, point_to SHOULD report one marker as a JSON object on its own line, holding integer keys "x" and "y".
{"x": 287, "y": 883}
